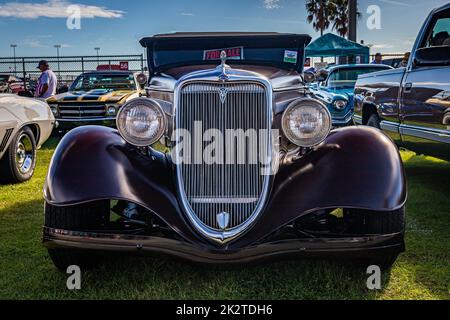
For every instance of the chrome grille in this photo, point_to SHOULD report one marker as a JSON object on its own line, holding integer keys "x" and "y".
{"x": 234, "y": 188}
{"x": 82, "y": 110}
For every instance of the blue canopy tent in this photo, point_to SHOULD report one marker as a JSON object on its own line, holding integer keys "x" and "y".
{"x": 331, "y": 45}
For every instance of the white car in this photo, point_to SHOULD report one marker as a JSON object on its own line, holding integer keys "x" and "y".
{"x": 25, "y": 124}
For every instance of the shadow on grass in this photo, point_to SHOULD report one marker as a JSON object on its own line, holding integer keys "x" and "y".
{"x": 30, "y": 274}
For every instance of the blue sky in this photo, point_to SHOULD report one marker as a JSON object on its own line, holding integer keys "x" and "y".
{"x": 116, "y": 26}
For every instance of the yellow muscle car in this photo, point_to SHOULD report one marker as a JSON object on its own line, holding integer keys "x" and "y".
{"x": 95, "y": 98}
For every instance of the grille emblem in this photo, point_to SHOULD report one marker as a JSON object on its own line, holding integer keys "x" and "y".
{"x": 223, "y": 220}
{"x": 223, "y": 93}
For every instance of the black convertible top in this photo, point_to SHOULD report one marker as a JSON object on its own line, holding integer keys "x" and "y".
{"x": 178, "y": 49}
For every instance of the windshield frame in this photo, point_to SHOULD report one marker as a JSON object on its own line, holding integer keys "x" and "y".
{"x": 132, "y": 87}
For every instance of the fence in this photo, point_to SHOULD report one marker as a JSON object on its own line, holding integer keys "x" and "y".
{"x": 69, "y": 67}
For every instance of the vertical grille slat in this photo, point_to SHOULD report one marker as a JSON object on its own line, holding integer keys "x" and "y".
{"x": 233, "y": 188}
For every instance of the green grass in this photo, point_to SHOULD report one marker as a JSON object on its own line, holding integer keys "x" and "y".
{"x": 26, "y": 271}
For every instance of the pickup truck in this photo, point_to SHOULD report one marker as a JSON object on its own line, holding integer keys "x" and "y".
{"x": 412, "y": 104}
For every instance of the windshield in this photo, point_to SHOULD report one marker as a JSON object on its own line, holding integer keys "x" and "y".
{"x": 104, "y": 81}
{"x": 346, "y": 78}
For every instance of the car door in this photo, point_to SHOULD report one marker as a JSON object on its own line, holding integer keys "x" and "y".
{"x": 425, "y": 103}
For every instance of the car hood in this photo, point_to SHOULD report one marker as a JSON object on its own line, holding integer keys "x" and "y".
{"x": 97, "y": 95}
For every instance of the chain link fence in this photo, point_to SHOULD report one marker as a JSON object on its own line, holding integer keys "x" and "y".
{"x": 69, "y": 67}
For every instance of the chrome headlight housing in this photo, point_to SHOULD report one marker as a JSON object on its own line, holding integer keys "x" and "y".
{"x": 141, "y": 122}
{"x": 54, "y": 108}
{"x": 306, "y": 122}
{"x": 340, "y": 104}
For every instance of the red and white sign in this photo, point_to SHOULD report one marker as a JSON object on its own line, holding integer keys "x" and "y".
{"x": 307, "y": 62}
{"x": 236, "y": 53}
{"x": 124, "y": 65}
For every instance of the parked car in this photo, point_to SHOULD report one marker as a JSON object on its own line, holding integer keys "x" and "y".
{"x": 94, "y": 98}
{"x": 25, "y": 124}
{"x": 250, "y": 169}
{"x": 412, "y": 104}
{"x": 335, "y": 88}
{"x": 10, "y": 84}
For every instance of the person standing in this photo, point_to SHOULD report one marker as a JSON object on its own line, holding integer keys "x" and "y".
{"x": 47, "y": 82}
{"x": 378, "y": 59}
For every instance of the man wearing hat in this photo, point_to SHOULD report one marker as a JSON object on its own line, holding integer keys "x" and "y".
{"x": 47, "y": 82}
{"x": 378, "y": 59}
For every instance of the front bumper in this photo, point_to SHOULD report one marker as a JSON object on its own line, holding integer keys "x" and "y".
{"x": 343, "y": 121}
{"x": 337, "y": 248}
{"x": 68, "y": 123}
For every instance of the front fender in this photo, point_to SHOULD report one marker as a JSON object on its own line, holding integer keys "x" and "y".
{"x": 356, "y": 167}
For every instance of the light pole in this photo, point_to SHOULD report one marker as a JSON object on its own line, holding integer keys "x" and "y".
{"x": 98, "y": 57}
{"x": 14, "y": 46}
{"x": 58, "y": 46}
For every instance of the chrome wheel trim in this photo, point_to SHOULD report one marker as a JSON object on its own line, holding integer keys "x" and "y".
{"x": 24, "y": 154}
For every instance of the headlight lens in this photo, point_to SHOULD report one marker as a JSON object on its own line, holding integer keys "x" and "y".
{"x": 111, "y": 110}
{"x": 306, "y": 122}
{"x": 54, "y": 108}
{"x": 340, "y": 104}
{"x": 141, "y": 122}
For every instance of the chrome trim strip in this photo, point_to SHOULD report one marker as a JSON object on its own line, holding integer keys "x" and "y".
{"x": 390, "y": 126}
{"x": 425, "y": 133}
{"x": 225, "y": 200}
{"x": 224, "y": 237}
{"x": 85, "y": 119}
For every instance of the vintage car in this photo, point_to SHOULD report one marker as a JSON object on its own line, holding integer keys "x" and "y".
{"x": 94, "y": 98}
{"x": 412, "y": 104}
{"x": 334, "y": 88}
{"x": 11, "y": 84}
{"x": 25, "y": 124}
{"x": 227, "y": 160}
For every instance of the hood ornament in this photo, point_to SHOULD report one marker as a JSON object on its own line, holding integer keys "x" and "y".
{"x": 223, "y": 220}
{"x": 223, "y": 66}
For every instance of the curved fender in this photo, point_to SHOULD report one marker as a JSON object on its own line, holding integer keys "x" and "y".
{"x": 94, "y": 163}
{"x": 355, "y": 168}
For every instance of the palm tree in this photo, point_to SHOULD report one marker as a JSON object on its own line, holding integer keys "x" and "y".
{"x": 319, "y": 14}
{"x": 339, "y": 16}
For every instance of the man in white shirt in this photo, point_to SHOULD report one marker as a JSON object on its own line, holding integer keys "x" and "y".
{"x": 47, "y": 82}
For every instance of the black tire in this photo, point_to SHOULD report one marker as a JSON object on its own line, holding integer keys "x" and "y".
{"x": 19, "y": 161}
{"x": 377, "y": 223}
{"x": 374, "y": 121}
{"x": 88, "y": 216}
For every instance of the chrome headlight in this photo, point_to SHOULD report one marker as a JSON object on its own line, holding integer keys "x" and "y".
{"x": 306, "y": 122}
{"x": 340, "y": 104}
{"x": 141, "y": 122}
{"x": 54, "y": 108}
{"x": 111, "y": 110}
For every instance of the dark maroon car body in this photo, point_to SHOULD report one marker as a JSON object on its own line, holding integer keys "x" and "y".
{"x": 355, "y": 168}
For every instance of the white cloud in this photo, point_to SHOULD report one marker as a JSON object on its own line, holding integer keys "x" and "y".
{"x": 272, "y": 4}
{"x": 397, "y": 3}
{"x": 54, "y": 9}
{"x": 187, "y": 14}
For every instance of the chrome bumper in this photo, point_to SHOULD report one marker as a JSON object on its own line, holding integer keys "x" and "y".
{"x": 361, "y": 247}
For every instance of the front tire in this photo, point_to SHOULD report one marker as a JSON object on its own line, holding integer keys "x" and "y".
{"x": 19, "y": 161}
{"x": 88, "y": 216}
{"x": 377, "y": 223}
{"x": 374, "y": 121}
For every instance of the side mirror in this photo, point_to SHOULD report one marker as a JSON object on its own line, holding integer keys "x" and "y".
{"x": 432, "y": 56}
{"x": 142, "y": 79}
{"x": 309, "y": 77}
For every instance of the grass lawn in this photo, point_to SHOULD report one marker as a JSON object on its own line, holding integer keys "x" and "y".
{"x": 423, "y": 272}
